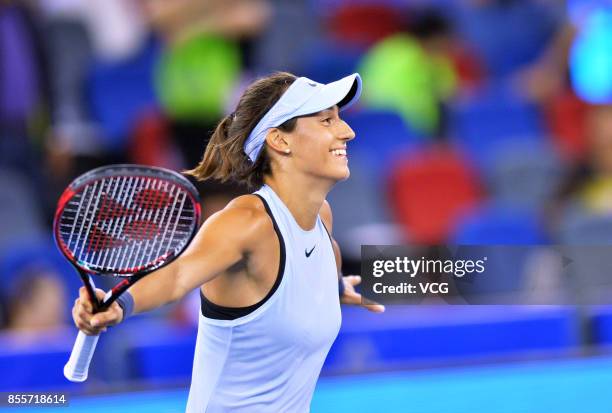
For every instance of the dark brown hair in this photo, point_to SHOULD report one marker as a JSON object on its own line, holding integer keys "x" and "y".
{"x": 224, "y": 158}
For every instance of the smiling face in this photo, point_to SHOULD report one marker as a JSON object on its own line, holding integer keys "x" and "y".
{"x": 318, "y": 145}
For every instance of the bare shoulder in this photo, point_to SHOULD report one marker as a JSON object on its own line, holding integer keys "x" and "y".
{"x": 326, "y": 215}
{"x": 244, "y": 220}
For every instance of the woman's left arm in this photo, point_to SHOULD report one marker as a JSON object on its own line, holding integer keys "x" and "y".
{"x": 347, "y": 284}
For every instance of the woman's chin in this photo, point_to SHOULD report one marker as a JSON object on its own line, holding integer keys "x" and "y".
{"x": 344, "y": 175}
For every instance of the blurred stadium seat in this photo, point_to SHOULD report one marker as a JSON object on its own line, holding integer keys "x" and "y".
{"x": 579, "y": 226}
{"x": 480, "y": 122}
{"x": 429, "y": 190}
{"x": 363, "y": 25}
{"x": 524, "y": 173}
{"x": 490, "y": 27}
{"x": 566, "y": 118}
{"x": 499, "y": 224}
{"x": 490, "y": 227}
{"x": 381, "y": 137}
{"x": 18, "y": 194}
{"x": 327, "y": 61}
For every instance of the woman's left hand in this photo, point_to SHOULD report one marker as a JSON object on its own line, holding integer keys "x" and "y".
{"x": 351, "y": 296}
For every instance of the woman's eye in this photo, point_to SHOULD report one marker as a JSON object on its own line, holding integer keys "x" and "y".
{"x": 327, "y": 120}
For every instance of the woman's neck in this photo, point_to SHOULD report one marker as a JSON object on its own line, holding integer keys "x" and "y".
{"x": 303, "y": 196}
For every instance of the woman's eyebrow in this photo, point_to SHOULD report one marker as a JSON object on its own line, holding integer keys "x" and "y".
{"x": 324, "y": 112}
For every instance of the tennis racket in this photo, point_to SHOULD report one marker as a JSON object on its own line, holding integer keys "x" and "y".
{"x": 123, "y": 221}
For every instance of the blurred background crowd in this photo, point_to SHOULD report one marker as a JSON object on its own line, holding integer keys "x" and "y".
{"x": 481, "y": 122}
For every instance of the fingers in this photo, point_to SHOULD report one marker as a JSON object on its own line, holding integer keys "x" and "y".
{"x": 375, "y": 308}
{"x": 352, "y": 297}
{"x": 110, "y": 317}
{"x": 81, "y": 315}
{"x": 372, "y": 306}
{"x": 352, "y": 279}
{"x": 90, "y": 323}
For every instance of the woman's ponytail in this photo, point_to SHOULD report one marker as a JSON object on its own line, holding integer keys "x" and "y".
{"x": 224, "y": 158}
{"x": 214, "y": 163}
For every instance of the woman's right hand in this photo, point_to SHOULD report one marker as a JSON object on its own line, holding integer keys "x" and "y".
{"x": 90, "y": 323}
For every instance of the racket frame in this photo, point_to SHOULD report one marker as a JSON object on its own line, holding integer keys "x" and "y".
{"x": 77, "y": 367}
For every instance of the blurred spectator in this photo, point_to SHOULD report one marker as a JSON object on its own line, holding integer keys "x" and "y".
{"x": 411, "y": 73}
{"x": 208, "y": 44}
{"x": 586, "y": 43}
{"x": 590, "y": 185}
{"x": 114, "y": 41}
{"x": 78, "y": 39}
{"x": 574, "y": 71}
{"x": 20, "y": 77}
{"x": 37, "y": 301}
{"x": 180, "y": 20}
{"x": 23, "y": 86}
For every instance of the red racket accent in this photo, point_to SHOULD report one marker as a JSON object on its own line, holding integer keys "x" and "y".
{"x": 111, "y": 209}
{"x": 141, "y": 230}
{"x": 99, "y": 240}
{"x": 152, "y": 199}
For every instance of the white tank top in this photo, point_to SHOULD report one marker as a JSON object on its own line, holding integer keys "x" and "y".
{"x": 270, "y": 359}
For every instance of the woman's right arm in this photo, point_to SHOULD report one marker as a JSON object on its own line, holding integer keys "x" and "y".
{"x": 220, "y": 243}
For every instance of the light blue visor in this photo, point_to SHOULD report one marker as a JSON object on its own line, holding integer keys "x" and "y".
{"x": 303, "y": 97}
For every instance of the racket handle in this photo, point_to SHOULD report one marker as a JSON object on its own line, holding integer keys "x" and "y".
{"x": 78, "y": 365}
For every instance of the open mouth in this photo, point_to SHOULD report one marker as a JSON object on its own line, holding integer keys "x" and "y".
{"x": 340, "y": 153}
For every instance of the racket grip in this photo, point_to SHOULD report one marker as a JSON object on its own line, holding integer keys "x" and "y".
{"x": 78, "y": 364}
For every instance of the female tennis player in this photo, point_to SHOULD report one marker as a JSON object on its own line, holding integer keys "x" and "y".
{"x": 267, "y": 265}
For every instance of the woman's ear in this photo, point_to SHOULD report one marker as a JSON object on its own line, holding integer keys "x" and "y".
{"x": 278, "y": 141}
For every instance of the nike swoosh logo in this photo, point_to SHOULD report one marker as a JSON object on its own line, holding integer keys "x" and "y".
{"x": 309, "y": 252}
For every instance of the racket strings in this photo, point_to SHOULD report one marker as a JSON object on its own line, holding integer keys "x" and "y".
{"x": 123, "y": 223}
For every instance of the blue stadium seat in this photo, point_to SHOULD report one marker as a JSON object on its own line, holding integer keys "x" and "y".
{"x": 524, "y": 173}
{"x": 18, "y": 195}
{"x": 380, "y": 137}
{"x": 578, "y": 226}
{"x": 504, "y": 235}
{"x": 499, "y": 224}
{"x": 479, "y": 123}
{"x": 491, "y": 29}
{"x": 327, "y": 62}
{"x": 588, "y": 237}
